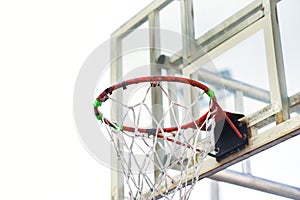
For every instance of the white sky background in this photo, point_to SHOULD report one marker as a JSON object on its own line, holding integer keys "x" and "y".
{"x": 42, "y": 47}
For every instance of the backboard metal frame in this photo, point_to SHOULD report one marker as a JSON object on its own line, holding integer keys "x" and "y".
{"x": 259, "y": 15}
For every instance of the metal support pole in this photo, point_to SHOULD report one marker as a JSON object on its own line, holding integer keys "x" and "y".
{"x": 215, "y": 194}
{"x": 277, "y": 81}
{"x": 257, "y": 183}
{"x": 117, "y": 180}
{"x": 187, "y": 26}
{"x": 156, "y": 95}
{"x": 239, "y": 101}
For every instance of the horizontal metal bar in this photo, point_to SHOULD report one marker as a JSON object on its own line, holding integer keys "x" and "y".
{"x": 294, "y": 106}
{"x": 294, "y": 100}
{"x": 265, "y": 115}
{"x": 260, "y": 115}
{"x": 257, "y": 183}
{"x": 234, "y": 85}
{"x": 139, "y": 18}
{"x": 294, "y": 103}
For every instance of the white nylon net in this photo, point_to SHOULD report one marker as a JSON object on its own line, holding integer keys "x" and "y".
{"x": 158, "y": 163}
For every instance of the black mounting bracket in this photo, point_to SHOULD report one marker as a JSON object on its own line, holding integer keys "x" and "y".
{"x": 226, "y": 140}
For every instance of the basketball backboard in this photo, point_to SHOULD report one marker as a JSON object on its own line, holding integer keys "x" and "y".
{"x": 239, "y": 55}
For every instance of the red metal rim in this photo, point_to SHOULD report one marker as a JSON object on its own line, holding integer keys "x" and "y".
{"x": 155, "y": 79}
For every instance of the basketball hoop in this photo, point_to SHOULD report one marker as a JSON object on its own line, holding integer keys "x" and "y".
{"x": 180, "y": 148}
